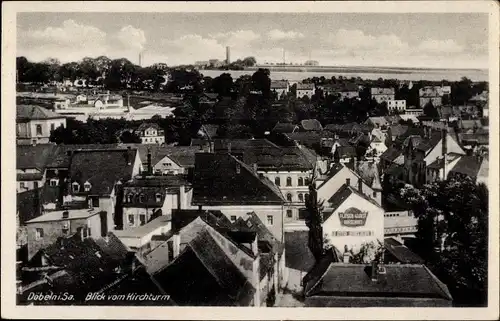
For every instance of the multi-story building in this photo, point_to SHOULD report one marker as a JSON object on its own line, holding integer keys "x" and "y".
{"x": 34, "y": 124}
{"x": 398, "y": 106}
{"x": 151, "y": 133}
{"x": 382, "y": 94}
{"x": 433, "y": 94}
{"x": 305, "y": 90}
{"x": 281, "y": 87}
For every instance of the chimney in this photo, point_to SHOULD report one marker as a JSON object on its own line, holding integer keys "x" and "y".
{"x": 255, "y": 167}
{"x": 182, "y": 198}
{"x": 150, "y": 167}
{"x": 348, "y": 181}
{"x": 374, "y": 271}
{"x": 229, "y": 147}
{"x": 211, "y": 149}
{"x": 65, "y": 215}
{"x": 360, "y": 186}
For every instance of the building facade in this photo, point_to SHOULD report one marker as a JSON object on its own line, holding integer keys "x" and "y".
{"x": 34, "y": 124}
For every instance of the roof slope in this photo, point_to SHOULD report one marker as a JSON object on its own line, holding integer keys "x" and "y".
{"x": 311, "y": 125}
{"x": 221, "y": 179}
{"x": 401, "y": 280}
{"x": 102, "y": 168}
{"x": 33, "y": 112}
{"x": 203, "y": 275}
{"x": 297, "y": 253}
{"x": 401, "y": 253}
{"x": 38, "y": 156}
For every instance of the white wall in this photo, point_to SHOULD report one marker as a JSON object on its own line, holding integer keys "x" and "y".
{"x": 374, "y": 224}
{"x": 452, "y": 146}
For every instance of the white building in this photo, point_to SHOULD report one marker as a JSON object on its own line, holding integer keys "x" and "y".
{"x": 151, "y": 133}
{"x": 396, "y": 105}
{"x": 34, "y": 124}
{"x": 305, "y": 90}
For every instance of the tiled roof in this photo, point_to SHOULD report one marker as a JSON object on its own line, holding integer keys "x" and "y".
{"x": 400, "y": 252}
{"x": 73, "y": 214}
{"x": 345, "y": 152}
{"x": 203, "y": 275}
{"x": 145, "y": 126}
{"x": 303, "y": 86}
{"x": 391, "y": 154}
{"x": 102, "y": 168}
{"x": 221, "y": 179}
{"x": 279, "y": 84}
{"x": 29, "y": 203}
{"x": 368, "y": 171}
{"x": 284, "y": 127}
{"x": 402, "y": 280}
{"x": 468, "y": 165}
{"x": 211, "y": 96}
{"x": 398, "y": 130}
{"x": 429, "y": 143}
{"x": 146, "y": 229}
{"x": 252, "y": 223}
{"x": 311, "y": 125}
{"x": 382, "y": 91}
{"x": 297, "y": 253}
{"x": 340, "y": 196}
{"x": 32, "y": 112}
{"x": 38, "y": 156}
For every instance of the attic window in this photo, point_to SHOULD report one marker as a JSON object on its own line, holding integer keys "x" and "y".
{"x": 141, "y": 198}
{"x": 158, "y": 198}
{"x": 76, "y": 187}
{"x": 87, "y": 186}
{"x": 238, "y": 168}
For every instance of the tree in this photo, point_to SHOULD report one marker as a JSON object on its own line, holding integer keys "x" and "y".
{"x": 261, "y": 81}
{"x": 453, "y": 234}
{"x": 223, "y": 84}
{"x": 430, "y": 110}
{"x": 249, "y": 61}
{"x": 314, "y": 221}
{"x": 128, "y": 137}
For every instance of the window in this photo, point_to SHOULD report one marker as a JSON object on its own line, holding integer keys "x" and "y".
{"x": 289, "y": 197}
{"x": 270, "y": 220}
{"x": 233, "y": 218}
{"x": 76, "y": 187}
{"x": 289, "y": 213}
{"x": 141, "y": 198}
{"x": 52, "y": 127}
{"x": 170, "y": 250}
{"x": 306, "y": 196}
{"x": 167, "y": 164}
{"x": 39, "y": 233}
{"x": 39, "y": 130}
{"x": 374, "y": 194}
{"x": 142, "y": 219}
{"x": 87, "y": 186}
{"x": 53, "y": 182}
{"x": 129, "y": 198}
{"x": 277, "y": 181}
{"x": 22, "y": 185}
{"x": 301, "y": 197}
{"x": 131, "y": 220}
{"x": 301, "y": 181}
{"x": 289, "y": 181}
{"x": 158, "y": 198}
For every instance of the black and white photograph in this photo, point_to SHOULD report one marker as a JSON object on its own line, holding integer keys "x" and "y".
{"x": 295, "y": 158}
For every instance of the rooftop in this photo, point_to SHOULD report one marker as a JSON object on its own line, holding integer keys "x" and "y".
{"x": 73, "y": 214}
{"x": 143, "y": 230}
{"x": 33, "y": 112}
{"x": 400, "y": 252}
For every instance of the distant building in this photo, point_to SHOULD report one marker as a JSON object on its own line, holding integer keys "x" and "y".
{"x": 305, "y": 90}
{"x": 34, "y": 124}
{"x": 151, "y": 133}
{"x": 433, "y": 94}
{"x": 382, "y": 94}
{"x": 396, "y": 105}
{"x": 414, "y": 112}
{"x": 31, "y": 163}
{"x": 228, "y": 55}
{"x": 281, "y": 87}
{"x": 311, "y": 63}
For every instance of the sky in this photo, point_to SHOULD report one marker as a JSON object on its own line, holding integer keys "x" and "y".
{"x": 424, "y": 40}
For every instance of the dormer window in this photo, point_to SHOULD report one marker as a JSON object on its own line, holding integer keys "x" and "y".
{"x": 76, "y": 187}
{"x": 158, "y": 198}
{"x": 87, "y": 186}
{"x": 129, "y": 198}
{"x": 141, "y": 198}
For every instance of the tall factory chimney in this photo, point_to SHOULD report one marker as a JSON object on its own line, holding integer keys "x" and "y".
{"x": 228, "y": 55}
{"x": 140, "y": 59}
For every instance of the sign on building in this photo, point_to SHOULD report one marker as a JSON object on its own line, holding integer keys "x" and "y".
{"x": 353, "y": 217}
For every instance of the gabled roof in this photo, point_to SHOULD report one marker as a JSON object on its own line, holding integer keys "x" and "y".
{"x": 38, "y": 156}
{"x": 345, "y": 151}
{"x": 222, "y": 179}
{"x": 203, "y": 275}
{"x": 210, "y": 130}
{"x": 279, "y": 84}
{"x": 400, "y": 252}
{"x": 305, "y": 86}
{"x": 368, "y": 172}
{"x": 33, "y": 112}
{"x": 252, "y": 223}
{"x": 311, "y": 125}
{"x": 391, "y": 154}
{"x": 145, "y": 126}
{"x": 398, "y": 130}
{"x": 182, "y": 155}
{"x": 102, "y": 168}
{"x": 382, "y": 91}
{"x": 401, "y": 280}
{"x": 339, "y": 198}
{"x": 468, "y": 165}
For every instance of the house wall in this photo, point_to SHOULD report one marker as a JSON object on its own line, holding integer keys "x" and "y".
{"x": 54, "y": 229}
{"x": 348, "y": 94}
{"x": 166, "y": 165}
{"x": 136, "y": 212}
{"x": 28, "y": 130}
{"x": 331, "y": 186}
{"x": 262, "y": 211}
{"x": 436, "y": 101}
{"x": 295, "y": 189}
{"x": 305, "y": 92}
{"x": 373, "y": 227}
{"x": 396, "y": 105}
{"x": 294, "y": 280}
